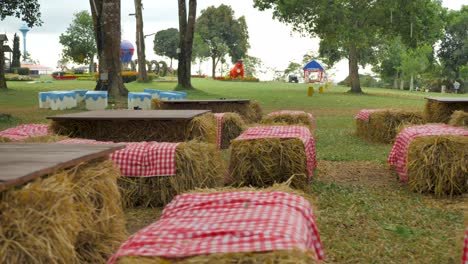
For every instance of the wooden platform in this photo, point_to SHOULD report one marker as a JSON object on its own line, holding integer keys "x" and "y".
{"x": 449, "y": 99}
{"x": 23, "y": 162}
{"x": 216, "y": 101}
{"x": 132, "y": 115}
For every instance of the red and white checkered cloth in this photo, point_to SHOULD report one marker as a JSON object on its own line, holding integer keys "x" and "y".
{"x": 289, "y": 112}
{"x": 465, "y": 248}
{"x": 219, "y": 118}
{"x": 364, "y": 114}
{"x": 286, "y": 132}
{"x": 398, "y": 155}
{"x": 140, "y": 159}
{"x": 25, "y": 131}
{"x": 227, "y": 222}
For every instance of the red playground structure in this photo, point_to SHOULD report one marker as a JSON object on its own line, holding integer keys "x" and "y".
{"x": 237, "y": 70}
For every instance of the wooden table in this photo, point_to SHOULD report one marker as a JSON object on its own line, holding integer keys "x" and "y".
{"x": 449, "y": 100}
{"x": 24, "y": 162}
{"x": 205, "y": 102}
{"x": 439, "y": 109}
{"x": 129, "y": 125}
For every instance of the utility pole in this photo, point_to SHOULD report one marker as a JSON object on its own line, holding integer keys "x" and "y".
{"x": 140, "y": 43}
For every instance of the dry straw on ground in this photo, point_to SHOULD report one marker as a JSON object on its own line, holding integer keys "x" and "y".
{"x": 232, "y": 127}
{"x": 202, "y": 128}
{"x": 73, "y": 216}
{"x": 383, "y": 126}
{"x": 41, "y": 139}
{"x": 459, "y": 118}
{"x": 439, "y": 112}
{"x": 284, "y": 256}
{"x": 438, "y": 164}
{"x": 263, "y": 162}
{"x": 251, "y": 112}
{"x": 289, "y": 119}
{"x": 198, "y": 165}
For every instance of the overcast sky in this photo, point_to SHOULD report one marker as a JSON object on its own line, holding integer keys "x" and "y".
{"x": 271, "y": 41}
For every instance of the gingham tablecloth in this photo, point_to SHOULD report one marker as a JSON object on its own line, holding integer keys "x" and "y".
{"x": 140, "y": 159}
{"x": 299, "y": 132}
{"x": 364, "y": 114}
{"x": 398, "y": 154}
{"x": 225, "y": 222}
{"x": 25, "y": 131}
{"x": 290, "y": 112}
{"x": 219, "y": 118}
{"x": 465, "y": 248}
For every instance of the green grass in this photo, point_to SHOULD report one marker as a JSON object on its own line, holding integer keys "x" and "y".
{"x": 358, "y": 223}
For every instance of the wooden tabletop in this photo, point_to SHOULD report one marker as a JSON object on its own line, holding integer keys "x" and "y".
{"x": 23, "y": 162}
{"x": 449, "y": 99}
{"x": 132, "y": 115}
{"x": 240, "y": 101}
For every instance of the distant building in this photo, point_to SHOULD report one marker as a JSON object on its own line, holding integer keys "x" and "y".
{"x": 36, "y": 69}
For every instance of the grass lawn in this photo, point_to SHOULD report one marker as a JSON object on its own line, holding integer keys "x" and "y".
{"x": 364, "y": 215}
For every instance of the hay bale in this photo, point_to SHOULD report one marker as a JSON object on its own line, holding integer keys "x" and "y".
{"x": 301, "y": 119}
{"x": 39, "y": 222}
{"x": 280, "y": 256}
{"x": 264, "y": 162}
{"x": 438, "y": 164}
{"x": 439, "y": 112}
{"x": 232, "y": 125}
{"x": 459, "y": 118}
{"x": 202, "y": 128}
{"x": 251, "y": 112}
{"x": 198, "y": 165}
{"x": 383, "y": 126}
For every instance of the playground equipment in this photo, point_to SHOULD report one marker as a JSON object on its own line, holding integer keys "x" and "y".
{"x": 126, "y": 51}
{"x": 314, "y": 72}
{"x": 237, "y": 70}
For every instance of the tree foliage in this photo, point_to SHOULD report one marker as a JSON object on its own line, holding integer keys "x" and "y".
{"x": 223, "y": 33}
{"x": 26, "y": 10}
{"x": 454, "y": 47}
{"x": 16, "y": 60}
{"x": 78, "y": 41}
{"x": 352, "y": 28}
{"x": 166, "y": 43}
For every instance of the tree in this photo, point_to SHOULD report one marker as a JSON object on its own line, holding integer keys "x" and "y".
{"x": 106, "y": 21}
{"x": 16, "y": 60}
{"x": 186, "y": 31}
{"x": 28, "y": 11}
{"x": 415, "y": 61}
{"x": 352, "y": 28}
{"x": 388, "y": 56}
{"x": 252, "y": 65}
{"x": 78, "y": 41}
{"x": 223, "y": 34}
{"x": 454, "y": 47}
{"x": 140, "y": 43}
{"x": 293, "y": 68}
{"x": 200, "y": 51}
{"x": 166, "y": 43}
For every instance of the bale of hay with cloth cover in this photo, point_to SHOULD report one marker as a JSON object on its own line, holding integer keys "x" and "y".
{"x": 262, "y": 156}
{"x": 459, "y": 118}
{"x": 202, "y": 128}
{"x": 273, "y": 225}
{"x": 290, "y": 118}
{"x": 29, "y": 133}
{"x": 73, "y": 215}
{"x": 432, "y": 159}
{"x": 250, "y": 111}
{"x": 382, "y": 125}
{"x": 156, "y": 172}
{"x": 230, "y": 126}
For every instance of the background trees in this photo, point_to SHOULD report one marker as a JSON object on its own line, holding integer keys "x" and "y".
{"x": 78, "y": 41}
{"x": 223, "y": 34}
{"x": 16, "y": 60}
{"x": 166, "y": 43}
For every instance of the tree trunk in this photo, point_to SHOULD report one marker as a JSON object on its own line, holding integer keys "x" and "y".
{"x": 353, "y": 70}
{"x": 395, "y": 81}
{"x": 3, "y": 85}
{"x": 91, "y": 65}
{"x": 106, "y": 20}
{"x": 411, "y": 87}
{"x": 186, "y": 31}
{"x": 213, "y": 64}
{"x": 402, "y": 84}
{"x": 171, "y": 63}
{"x": 140, "y": 43}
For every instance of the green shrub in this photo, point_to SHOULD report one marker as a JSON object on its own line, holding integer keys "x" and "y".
{"x": 21, "y": 71}
{"x": 17, "y": 77}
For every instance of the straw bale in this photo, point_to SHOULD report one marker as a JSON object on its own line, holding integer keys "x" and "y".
{"x": 4, "y": 140}
{"x": 233, "y": 125}
{"x": 289, "y": 119}
{"x": 439, "y": 112}
{"x": 97, "y": 196}
{"x": 202, "y": 128}
{"x": 383, "y": 126}
{"x": 280, "y": 256}
{"x": 438, "y": 164}
{"x": 263, "y": 162}
{"x": 39, "y": 222}
{"x": 198, "y": 165}
{"x": 251, "y": 112}
{"x": 459, "y": 118}
{"x": 41, "y": 139}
